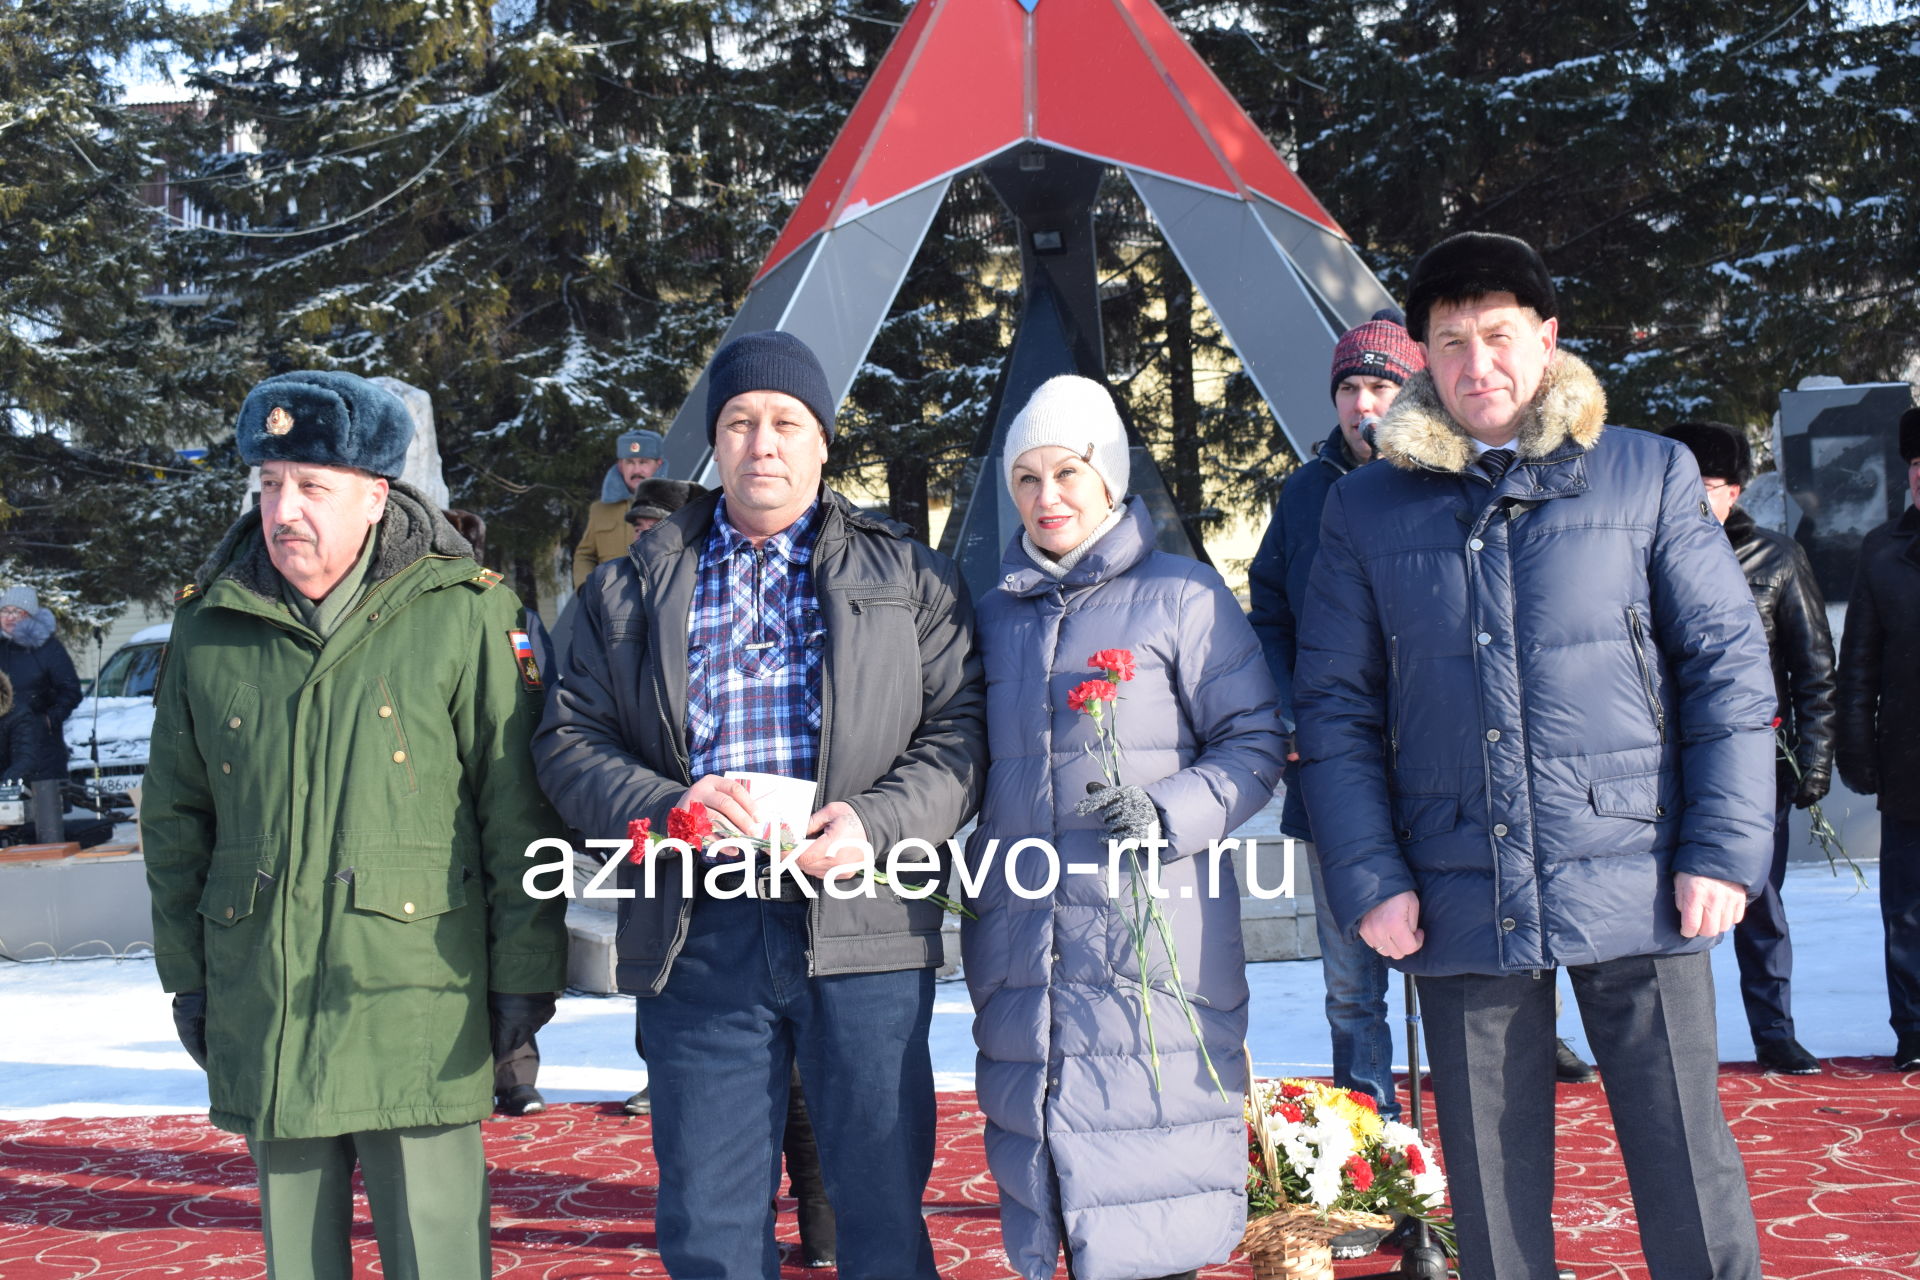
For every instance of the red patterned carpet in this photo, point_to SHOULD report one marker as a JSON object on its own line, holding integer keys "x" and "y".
{"x": 1834, "y": 1162}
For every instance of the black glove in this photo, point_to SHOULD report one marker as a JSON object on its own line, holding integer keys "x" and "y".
{"x": 1129, "y": 812}
{"x": 516, "y": 1017}
{"x": 1813, "y": 785}
{"x": 190, "y": 1024}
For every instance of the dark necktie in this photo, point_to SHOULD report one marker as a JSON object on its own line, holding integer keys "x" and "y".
{"x": 1495, "y": 463}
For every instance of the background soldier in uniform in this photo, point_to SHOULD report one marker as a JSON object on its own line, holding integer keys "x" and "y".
{"x": 637, "y": 456}
{"x": 335, "y": 819}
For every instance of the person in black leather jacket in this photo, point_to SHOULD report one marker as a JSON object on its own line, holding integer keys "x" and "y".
{"x": 1795, "y": 618}
{"x": 1879, "y": 738}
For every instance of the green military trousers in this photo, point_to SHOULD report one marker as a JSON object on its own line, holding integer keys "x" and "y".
{"x": 427, "y": 1188}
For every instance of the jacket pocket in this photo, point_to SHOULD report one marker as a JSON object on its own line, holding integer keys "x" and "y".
{"x": 230, "y": 896}
{"x": 1633, "y": 795}
{"x": 408, "y": 894}
{"x": 388, "y": 710}
{"x": 1416, "y": 818}
{"x": 1637, "y": 631}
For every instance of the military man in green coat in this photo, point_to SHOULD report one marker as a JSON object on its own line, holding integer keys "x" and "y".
{"x": 335, "y": 821}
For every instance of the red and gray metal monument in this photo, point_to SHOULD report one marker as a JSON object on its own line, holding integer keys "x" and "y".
{"x": 1043, "y": 96}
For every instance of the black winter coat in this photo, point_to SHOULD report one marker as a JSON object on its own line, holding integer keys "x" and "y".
{"x": 1801, "y": 646}
{"x": 45, "y": 692}
{"x": 1879, "y": 738}
{"x": 903, "y": 736}
{"x": 1531, "y": 701}
{"x": 1277, "y": 589}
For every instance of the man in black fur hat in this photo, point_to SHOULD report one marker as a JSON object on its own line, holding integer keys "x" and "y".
{"x": 1529, "y": 625}
{"x": 1795, "y": 618}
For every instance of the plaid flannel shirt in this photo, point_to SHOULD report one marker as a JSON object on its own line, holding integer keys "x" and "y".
{"x": 755, "y": 647}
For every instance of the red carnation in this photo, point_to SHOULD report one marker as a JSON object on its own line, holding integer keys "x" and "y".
{"x": 1293, "y": 1112}
{"x": 1360, "y": 1172}
{"x": 639, "y": 835}
{"x": 1364, "y": 1099}
{"x": 1293, "y": 1091}
{"x": 1117, "y": 663}
{"x": 690, "y": 825}
{"x": 1094, "y": 692}
{"x": 1416, "y": 1163}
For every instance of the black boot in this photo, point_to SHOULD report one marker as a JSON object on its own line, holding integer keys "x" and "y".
{"x": 806, "y": 1182}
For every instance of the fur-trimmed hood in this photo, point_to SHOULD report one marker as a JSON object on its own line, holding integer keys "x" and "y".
{"x": 1419, "y": 434}
{"x": 412, "y": 528}
{"x": 33, "y": 630}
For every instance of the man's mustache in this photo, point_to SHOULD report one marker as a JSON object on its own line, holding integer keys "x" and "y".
{"x": 287, "y": 533}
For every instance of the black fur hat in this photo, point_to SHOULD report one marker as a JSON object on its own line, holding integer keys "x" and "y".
{"x": 1472, "y": 265}
{"x": 660, "y": 498}
{"x": 1722, "y": 451}
{"x": 1910, "y": 435}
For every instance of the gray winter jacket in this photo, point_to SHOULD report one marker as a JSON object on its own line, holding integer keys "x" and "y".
{"x": 1148, "y": 1183}
{"x": 1532, "y": 701}
{"x": 902, "y": 734}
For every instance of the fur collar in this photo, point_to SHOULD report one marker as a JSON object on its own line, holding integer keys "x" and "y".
{"x": 412, "y": 528}
{"x": 613, "y": 488}
{"x": 1418, "y": 434}
{"x": 33, "y": 630}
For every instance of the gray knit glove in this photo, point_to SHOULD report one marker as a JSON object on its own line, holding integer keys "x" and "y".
{"x": 1128, "y": 811}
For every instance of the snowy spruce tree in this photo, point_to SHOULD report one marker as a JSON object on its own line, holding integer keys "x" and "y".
{"x": 100, "y": 375}
{"x": 1723, "y": 190}
{"x": 495, "y": 203}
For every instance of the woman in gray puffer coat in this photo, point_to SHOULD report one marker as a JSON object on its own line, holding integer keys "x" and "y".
{"x": 1134, "y": 1179}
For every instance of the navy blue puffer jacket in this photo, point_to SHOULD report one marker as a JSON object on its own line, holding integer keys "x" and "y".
{"x": 1532, "y": 701}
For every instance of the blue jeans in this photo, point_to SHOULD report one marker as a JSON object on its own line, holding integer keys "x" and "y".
{"x": 738, "y": 1010}
{"x": 1356, "y": 978}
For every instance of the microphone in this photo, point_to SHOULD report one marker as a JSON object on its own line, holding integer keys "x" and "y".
{"x": 1367, "y": 424}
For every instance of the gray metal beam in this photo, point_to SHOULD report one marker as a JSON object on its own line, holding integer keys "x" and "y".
{"x": 1277, "y": 325}
{"x": 833, "y": 294}
{"x": 1327, "y": 263}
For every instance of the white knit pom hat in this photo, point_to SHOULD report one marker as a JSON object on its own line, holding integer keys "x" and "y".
{"x": 1078, "y": 415}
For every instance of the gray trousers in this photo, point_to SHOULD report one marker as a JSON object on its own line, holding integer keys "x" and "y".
{"x": 427, "y": 1188}
{"x": 1650, "y": 1020}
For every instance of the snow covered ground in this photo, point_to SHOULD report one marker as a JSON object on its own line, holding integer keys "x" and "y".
{"x": 95, "y": 1037}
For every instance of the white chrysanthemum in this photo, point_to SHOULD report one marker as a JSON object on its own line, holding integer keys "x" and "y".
{"x": 1430, "y": 1186}
{"x": 1399, "y": 1136}
{"x": 1334, "y": 1139}
{"x": 1323, "y": 1184}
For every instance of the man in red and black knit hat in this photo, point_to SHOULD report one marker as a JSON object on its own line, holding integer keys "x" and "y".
{"x": 1370, "y": 362}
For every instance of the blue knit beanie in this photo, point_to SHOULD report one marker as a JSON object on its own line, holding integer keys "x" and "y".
{"x": 771, "y": 360}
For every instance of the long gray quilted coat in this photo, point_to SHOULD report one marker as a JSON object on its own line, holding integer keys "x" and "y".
{"x": 1147, "y": 1183}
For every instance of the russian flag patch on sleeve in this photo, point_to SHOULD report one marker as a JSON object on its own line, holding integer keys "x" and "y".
{"x": 523, "y": 658}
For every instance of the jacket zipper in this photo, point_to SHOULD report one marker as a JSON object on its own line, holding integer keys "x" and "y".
{"x": 1639, "y": 636}
{"x": 1393, "y": 722}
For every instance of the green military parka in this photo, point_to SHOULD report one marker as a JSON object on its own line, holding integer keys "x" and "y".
{"x": 335, "y": 835}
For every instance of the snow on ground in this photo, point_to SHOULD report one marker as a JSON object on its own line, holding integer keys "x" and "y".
{"x": 95, "y": 1037}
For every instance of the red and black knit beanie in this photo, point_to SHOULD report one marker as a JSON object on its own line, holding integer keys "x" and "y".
{"x": 1380, "y": 348}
